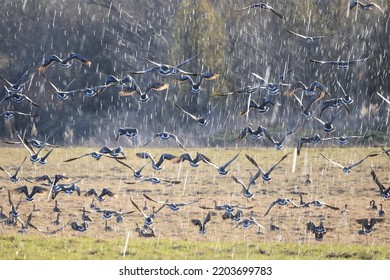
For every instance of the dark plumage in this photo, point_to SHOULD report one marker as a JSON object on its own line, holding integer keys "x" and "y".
{"x": 30, "y": 195}
{"x": 262, "y": 6}
{"x": 64, "y": 62}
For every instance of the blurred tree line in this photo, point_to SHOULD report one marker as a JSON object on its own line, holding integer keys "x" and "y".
{"x": 117, "y": 35}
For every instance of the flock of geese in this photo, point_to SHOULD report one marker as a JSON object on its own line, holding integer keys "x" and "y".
{"x": 316, "y": 91}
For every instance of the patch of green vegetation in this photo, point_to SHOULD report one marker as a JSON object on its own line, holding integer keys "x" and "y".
{"x": 85, "y": 248}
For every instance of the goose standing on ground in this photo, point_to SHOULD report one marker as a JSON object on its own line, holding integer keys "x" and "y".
{"x": 381, "y": 212}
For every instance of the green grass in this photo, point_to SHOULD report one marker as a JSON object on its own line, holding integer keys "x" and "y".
{"x": 31, "y": 247}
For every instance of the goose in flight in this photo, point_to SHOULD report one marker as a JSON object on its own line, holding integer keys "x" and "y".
{"x": 64, "y": 62}
{"x": 309, "y": 39}
{"x": 261, "y": 6}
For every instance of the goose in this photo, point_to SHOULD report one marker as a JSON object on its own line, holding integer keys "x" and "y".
{"x": 273, "y": 88}
{"x": 64, "y": 62}
{"x": 166, "y": 136}
{"x": 27, "y": 224}
{"x": 143, "y": 95}
{"x": 261, "y": 6}
{"x": 381, "y": 212}
{"x": 256, "y": 134}
{"x": 172, "y": 205}
{"x": 42, "y": 160}
{"x": 248, "y": 222}
{"x": 14, "y": 177}
{"x": 245, "y": 188}
{"x": 225, "y": 207}
{"x": 364, "y": 6}
{"x": 32, "y": 142}
{"x": 385, "y": 193}
{"x": 344, "y": 140}
{"x": 3, "y": 216}
{"x": 14, "y": 213}
{"x": 272, "y": 226}
{"x": 278, "y": 144}
{"x": 19, "y": 97}
{"x": 221, "y": 169}
{"x": 142, "y": 232}
{"x": 156, "y": 180}
{"x": 67, "y": 189}
{"x": 156, "y": 165}
{"x": 372, "y": 206}
{"x": 202, "y": 223}
{"x": 341, "y": 64}
{"x": 201, "y": 120}
{"x": 305, "y": 110}
{"x": 319, "y": 203}
{"x": 34, "y": 156}
{"x": 129, "y": 132}
{"x": 345, "y": 210}
{"x": 57, "y": 220}
{"x": 30, "y": 195}
{"x": 148, "y": 219}
{"x": 137, "y": 173}
{"x": 332, "y": 103}
{"x": 236, "y": 215}
{"x": 368, "y": 225}
{"x": 319, "y": 231}
{"x": 308, "y": 180}
{"x": 81, "y": 228}
{"x": 56, "y": 208}
{"x": 280, "y": 202}
{"x": 165, "y": 69}
{"x": 348, "y": 169}
{"x": 307, "y": 38}
{"x": 195, "y": 85}
{"x": 328, "y": 126}
{"x": 265, "y": 174}
{"x": 187, "y": 157}
{"x": 8, "y": 115}
{"x": 95, "y": 155}
{"x": 85, "y": 217}
{"x": 20, "y": 84}
{"x": 314, "y": 139}
{"x": 114, "y": 152}
{"x": 261, "y": 108}
{"x": 101, "y": 196}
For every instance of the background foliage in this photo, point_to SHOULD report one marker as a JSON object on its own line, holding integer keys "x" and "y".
{"x": 116, "y": 35}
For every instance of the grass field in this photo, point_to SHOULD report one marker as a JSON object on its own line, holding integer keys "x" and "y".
{"x": 176, "y": 237}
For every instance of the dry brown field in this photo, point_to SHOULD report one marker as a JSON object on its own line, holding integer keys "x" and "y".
{"x": 329, "y": 184}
